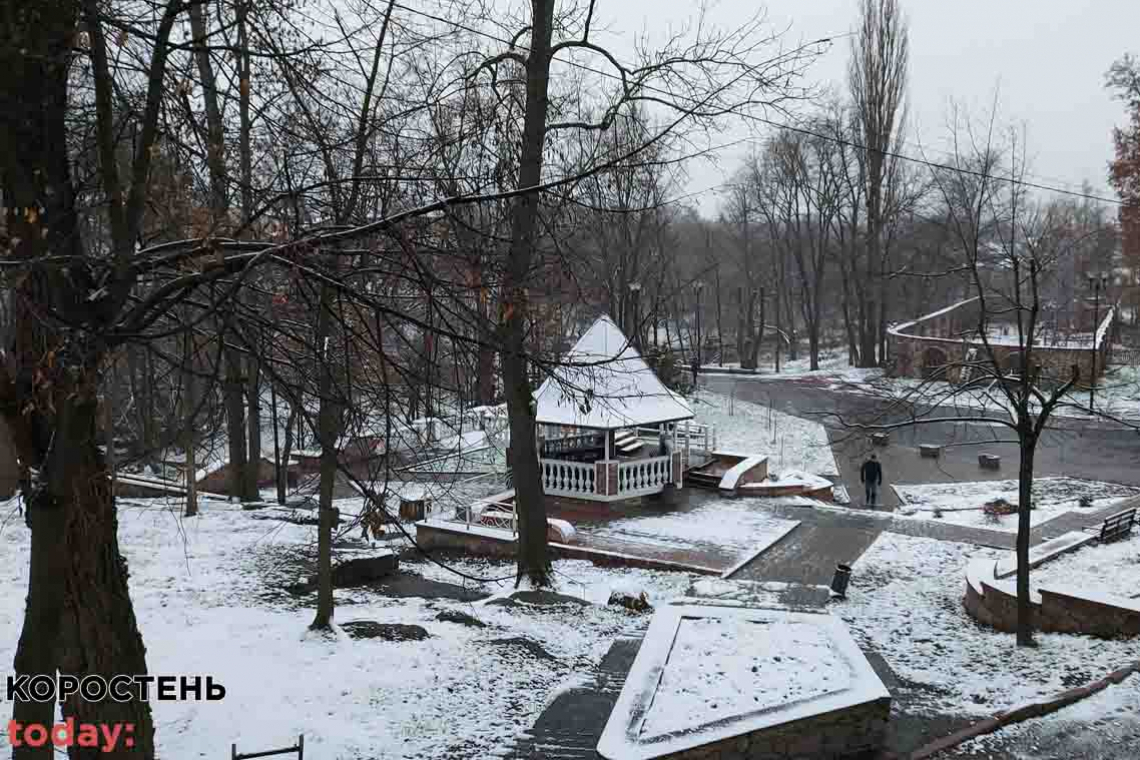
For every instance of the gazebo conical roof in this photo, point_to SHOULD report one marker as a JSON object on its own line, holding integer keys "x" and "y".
{"x": 604, "y": 384}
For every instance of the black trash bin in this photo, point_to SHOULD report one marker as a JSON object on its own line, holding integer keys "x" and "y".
{"x": 841, "y": 579}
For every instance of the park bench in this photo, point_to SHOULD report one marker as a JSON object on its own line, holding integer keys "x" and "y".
{"x": 1118, "y": 525}
{"x": 929, "y": 450}
{"x": 989, "y": 461}
{"x": 880, "y": 439}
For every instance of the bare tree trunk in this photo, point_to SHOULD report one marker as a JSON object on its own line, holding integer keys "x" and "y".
{"x": 253, "y": 426}
{"x": 719, "y": 320}
{"x": 189, "y": 437}
{"x": 286, "y": 452}
{"x": 77, "y": 585}
{"x": 534, "y": 555}
{"x": 485, "y": 356}
{"x": 1025, "y": 626}
{"x": 741, "y": 330}
{"x": 327, "y": 423}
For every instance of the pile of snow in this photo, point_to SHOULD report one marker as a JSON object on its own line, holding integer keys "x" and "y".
{"x": 905, "y": 602}
{"x": 963, "y": 503}
{"x": 789, "y": 442}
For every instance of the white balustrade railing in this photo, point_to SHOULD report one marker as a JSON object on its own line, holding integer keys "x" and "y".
{"x": 560, "y": 478}
{"x": 644, "y": 476}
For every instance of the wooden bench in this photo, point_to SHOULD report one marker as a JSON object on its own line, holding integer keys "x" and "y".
{"x": 989, "y": 461}
{"x": 1118, "y": 525}
{"x": 929, "y": 450}
{"x": 880, "y": 439}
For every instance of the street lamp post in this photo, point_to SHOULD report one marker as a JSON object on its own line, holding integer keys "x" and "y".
{"x": 699, "y": 286}
{"x": 635, "y": 297}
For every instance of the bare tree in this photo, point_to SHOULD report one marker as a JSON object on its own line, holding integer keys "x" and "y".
{"x": 1010, "y": 248}
{"x": 877, "y": 77}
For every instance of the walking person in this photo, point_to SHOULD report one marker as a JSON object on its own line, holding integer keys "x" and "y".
{"x": 695, "y": 366}
{"x": 871, "y": 476}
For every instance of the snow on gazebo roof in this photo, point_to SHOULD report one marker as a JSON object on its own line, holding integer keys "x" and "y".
{"x": 603, "y": 383}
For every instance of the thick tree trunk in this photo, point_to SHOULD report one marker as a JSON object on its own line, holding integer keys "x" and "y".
{"x": 1025, "y": 500}
{"x": 328, "y": 424}
{"x": 534, "y": 556}
{"x": 100, "y": 634}
{"x": 235, "y": 425}
{"x": 50, "y": 400}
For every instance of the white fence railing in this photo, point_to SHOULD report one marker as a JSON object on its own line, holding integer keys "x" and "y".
{"x": 572, "y": 479}
{"x": 644, "y": 476}
{"x": 689, "y": 435}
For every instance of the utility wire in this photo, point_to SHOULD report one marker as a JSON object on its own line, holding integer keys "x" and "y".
{"x": 790, "y": 127}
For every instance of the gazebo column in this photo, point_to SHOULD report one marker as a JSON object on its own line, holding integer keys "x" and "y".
{"x": 675, "y": 463}
{"x": 606, "y": 471}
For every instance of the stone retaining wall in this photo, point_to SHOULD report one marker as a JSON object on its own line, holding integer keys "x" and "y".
{"x": 1054, "y": 611}
{"x": 432, "y": 537}
{"x": 854, "y": 733}
{"x": 480, "y": 544}
{"x": 1066, "y": 613}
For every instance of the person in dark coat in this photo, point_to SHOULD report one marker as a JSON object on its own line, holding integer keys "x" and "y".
{"x": 871, "y": 476}
{"x": 695, "y": 366}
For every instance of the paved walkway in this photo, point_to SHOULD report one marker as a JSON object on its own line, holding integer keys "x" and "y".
{"x": 570, "y": 727}
{"x": 827, "y": 537}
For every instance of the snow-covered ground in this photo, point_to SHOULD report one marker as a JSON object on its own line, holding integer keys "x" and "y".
{"x": 1117, "y": 394}
{"x": 1110, "y": 569}
{"x": 730, "y": 526}
{"x": 962, "y": 503}
{"x": 905, "y": 601}
{"x": 207, "y": 593}
{"x": 789, "y": 442}
{"x": 832, "y": 363}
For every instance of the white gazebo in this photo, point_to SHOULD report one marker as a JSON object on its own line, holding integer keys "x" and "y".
{"x": 601, "y": 418}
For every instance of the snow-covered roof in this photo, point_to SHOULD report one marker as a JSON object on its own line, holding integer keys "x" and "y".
{"x": 605, "y": 384}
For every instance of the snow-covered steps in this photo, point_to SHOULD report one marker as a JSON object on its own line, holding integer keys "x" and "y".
{"x": 728, "y": 471}
{"x": 572, "y": 723}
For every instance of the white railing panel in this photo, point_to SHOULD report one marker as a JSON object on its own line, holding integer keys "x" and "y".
{"x": 644, "y": 476}
{"x": 563, "y": 478}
